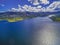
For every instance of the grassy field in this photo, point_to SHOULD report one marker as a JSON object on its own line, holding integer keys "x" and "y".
{"x": 12, "y": 19}
{"x": 57, "y": 19}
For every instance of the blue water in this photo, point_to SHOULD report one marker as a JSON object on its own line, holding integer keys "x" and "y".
{"x": 25, "y": 32}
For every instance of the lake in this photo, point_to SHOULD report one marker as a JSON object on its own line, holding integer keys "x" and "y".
{"x": 35, "y": 31}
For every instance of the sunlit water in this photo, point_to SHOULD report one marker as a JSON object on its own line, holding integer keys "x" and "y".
{"x": 36, "y": 31}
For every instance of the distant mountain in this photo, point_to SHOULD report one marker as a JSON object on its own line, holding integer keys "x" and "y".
{"x": 22, "y": 14}
{"x": 18, "y": 16}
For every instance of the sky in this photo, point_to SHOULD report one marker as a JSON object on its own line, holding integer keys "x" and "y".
{"x": 23, "y": 5}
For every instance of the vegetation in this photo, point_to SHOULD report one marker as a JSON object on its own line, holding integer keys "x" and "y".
{"x": 15, "y": 19}
{"x": 12, "y": 19}
{"x": 55, "y": 18}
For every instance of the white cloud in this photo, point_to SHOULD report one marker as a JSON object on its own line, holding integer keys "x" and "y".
{"x": 53, "y": 6}
{"x": 2, "y": 5}
{"x": 50, "y": 8}
{"x": 37, "y": 2}
{"x": 39, "y": 7}
{"x": 34, "y": 2}
{"x": 29, "y": 0}
{"x": 44, "y": 1}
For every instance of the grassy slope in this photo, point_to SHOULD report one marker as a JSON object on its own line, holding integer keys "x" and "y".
{"x": 12, "y": 19}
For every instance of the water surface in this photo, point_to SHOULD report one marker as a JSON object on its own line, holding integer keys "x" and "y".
{"x": 35, "y": 31}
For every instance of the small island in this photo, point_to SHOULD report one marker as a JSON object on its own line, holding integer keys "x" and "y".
{"x": 55, "y": 17}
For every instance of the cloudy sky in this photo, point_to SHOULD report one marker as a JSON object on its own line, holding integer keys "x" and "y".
{"x": 29, "y": 5}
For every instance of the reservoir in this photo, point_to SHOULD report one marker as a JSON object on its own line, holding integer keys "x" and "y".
{"x": 35, "y": 31}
